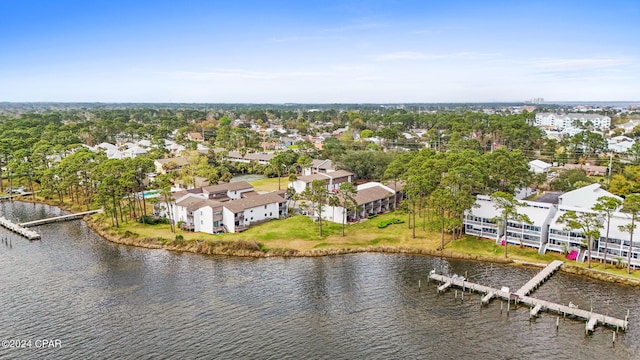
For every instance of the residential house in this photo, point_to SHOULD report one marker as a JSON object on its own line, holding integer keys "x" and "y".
{"x": 240, "y": 214}
{"x": 260, "y": 158}
{"x": 547, "y": 233}
{"x": 618, "y": 244}
{"x": 620, "y": 144}
{"x": 539, "y": 166}
{"x": 195, "y": 136}
{"x": 371, "y": 198}
{"x": 319, "y": 166}
{"x": 584, "y": 197}
{"x": 629, "y": 125}
{"x": 166, "y": 165}
{"x": 331, "y": 179}
{"x": 229, "y": 207}
{"x": 198, "y": 214}
{"x": 228, "y": 191}
{"x": 481, "y": 221}
{"x": 580, "y": 200}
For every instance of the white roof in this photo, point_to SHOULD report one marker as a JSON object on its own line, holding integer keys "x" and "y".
{"x": 539, "y": 163}
{"x": 617, "y": 219}
{"x": 584, "y": 197}
{"x": 536, "y": 211}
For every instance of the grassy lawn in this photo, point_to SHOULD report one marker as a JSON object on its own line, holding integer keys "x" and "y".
{"x": 302, "y": 233}
{"x": 270, "y": 184}
{"x": 484, "y": 247}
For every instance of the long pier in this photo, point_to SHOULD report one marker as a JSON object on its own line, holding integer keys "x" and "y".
{"x": 23, "y": 230}
{"x": 16, "y": 228}
{"x": 75, "y": 216}
{"x": 537, "y": 305}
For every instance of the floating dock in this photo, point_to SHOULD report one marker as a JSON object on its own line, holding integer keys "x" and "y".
{"x": 16, "y": 228}
{"x": 537, "y": 305}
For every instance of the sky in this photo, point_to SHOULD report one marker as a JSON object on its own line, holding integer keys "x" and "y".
{"x": 319, "y": 51}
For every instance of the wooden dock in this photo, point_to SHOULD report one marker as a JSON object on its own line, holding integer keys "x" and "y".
{"x": 75, "y": 216}
{"x": 539, "y": 278}
{"x": 593, "y": 319}
{"x": 16, "y": 228}
{"x": 23, "y": 230}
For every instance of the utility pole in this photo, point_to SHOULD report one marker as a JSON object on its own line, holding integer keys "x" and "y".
{"x": 610, "y": 161}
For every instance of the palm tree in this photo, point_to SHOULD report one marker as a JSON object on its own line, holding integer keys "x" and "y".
{"x": 334, "y": 201}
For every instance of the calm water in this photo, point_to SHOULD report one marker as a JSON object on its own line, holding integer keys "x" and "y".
{"x": 108, "y": 301}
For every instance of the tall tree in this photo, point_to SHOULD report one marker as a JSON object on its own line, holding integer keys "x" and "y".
{"x": 317, "y": 195}
{"x": 605, "y": 206}
{"x": 588, "y": 223}
{"x": 632, "y": 207}
{"x": 347, "y": 193}
{"x": 507, "y": 206}
{"x": 442, "y": 200}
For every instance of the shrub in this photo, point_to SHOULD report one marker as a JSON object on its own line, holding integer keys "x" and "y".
{"x": 385, "y": 223}
{"x": 152, "y": 220}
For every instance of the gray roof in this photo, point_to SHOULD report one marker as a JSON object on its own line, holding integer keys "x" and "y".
{"x": 193, "y": 203}
{"x": 371, "y": 194}
{"x": 325, "y": 176}
{"x": 180, "y": 161}
{"x": 232, "y": 186}
{"x": 251, "y": 156}
{"x": 240, "y": 205}
{"x": 322, "y": 164}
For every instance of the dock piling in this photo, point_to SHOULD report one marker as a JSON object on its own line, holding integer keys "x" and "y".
{"x": 537, "y": 305}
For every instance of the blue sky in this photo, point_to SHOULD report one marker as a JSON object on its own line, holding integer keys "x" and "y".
{"x": 312, "y": 51}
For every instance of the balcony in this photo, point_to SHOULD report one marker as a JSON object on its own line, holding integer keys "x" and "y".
{"x": 241, "y": 228}
{"x": 187, "y": 226}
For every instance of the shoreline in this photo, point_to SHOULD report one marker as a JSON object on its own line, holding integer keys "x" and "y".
{"x": 252, "y": 249}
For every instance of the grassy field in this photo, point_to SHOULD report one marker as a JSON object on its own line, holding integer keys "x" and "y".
{"x": 270, "y": 184}
{"x": 302, "y": 233}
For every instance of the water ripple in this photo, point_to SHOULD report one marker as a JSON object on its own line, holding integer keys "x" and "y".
{"x": 108, "y": 301}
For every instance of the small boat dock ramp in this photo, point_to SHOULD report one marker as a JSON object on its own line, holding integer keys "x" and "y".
{"x": 23, "y": 228}
{"x": 521, "y": 296}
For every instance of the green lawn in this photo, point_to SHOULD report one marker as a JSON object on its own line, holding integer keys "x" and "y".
{"x": 269, "y": 184}
{"x": 484, "y": 247}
